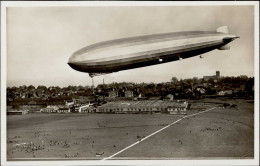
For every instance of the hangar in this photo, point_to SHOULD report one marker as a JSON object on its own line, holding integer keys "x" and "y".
{"x": 147, "y": 106}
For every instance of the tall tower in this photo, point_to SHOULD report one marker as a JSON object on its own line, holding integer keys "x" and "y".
{"x": 218, "y": 74}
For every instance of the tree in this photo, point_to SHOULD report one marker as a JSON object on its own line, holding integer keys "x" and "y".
{"x": 174, "y": 80}
{"x": 249, "y": 85}
{"x": 211, "y": 80}
{"x": 31, "y": 87}
{"x": 41, "y": 87}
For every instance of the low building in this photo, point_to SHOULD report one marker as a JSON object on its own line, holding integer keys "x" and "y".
{"x": 113, "y": 94}
{"x": 225, "y": 92}
{"x": 200, "y": 90}
{"x": 32, "y": 103}
{"x": 221, "y": 93}
{"x": 63, "y": 110}
{"x": 26, "y": 106}
{"x": 143, "y": 106}
{"x": 50, "y": 109}
{"x": 85, "y": 108}
{"x": 17, "y": 112}
{"x": 228, "y": 92}
{"x": 69, "y": 103}
{"x": 181, "y": 109}
{"x": 169, "y": 97}
{"x": 206, "y": 78}
{"x": 129, "y": 93}
{"x": 214, "y": 77}
{"x": 32, "y": 106}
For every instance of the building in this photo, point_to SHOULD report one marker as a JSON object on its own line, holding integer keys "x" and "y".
{"x": 228, "y": 92}
{"x": 169, "y": 97}
{"x": 143, "y": 106}
{"x": 221, "y": 93}
{"x": 129, "y": 93}
{"x": 63, "y": 110}
{"x": 113, "y": 94}
{"x": 225, "y": 92}
{"x": 177, "y": 110}
{"x": 200, "y": 89}
{"x": 17, "y": 112}
{"x": 69, "y": 103}
{"x": 27, "y": 106}
{"x": 214, "y": 77}
{"x": 32, "y": 106}
{"x": 206, "y": 78}
{"x": 218, "y": 75}
{"x": 84, "y": 108}
{"x": 50, "y": 109}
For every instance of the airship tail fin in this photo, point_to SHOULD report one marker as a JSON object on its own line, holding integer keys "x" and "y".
{"x": 223, "y": 29}
{"x": 225, "y": 47}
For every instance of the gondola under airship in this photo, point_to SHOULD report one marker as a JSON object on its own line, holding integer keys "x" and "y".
{"x": 133, "y": 52}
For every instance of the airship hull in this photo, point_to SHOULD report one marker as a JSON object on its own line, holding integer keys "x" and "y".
{"x": 141, "y": 61}
{"x": 128, "y": 53}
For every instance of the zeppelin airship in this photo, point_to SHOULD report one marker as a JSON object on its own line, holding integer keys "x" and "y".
{"x": 133, "y": 52}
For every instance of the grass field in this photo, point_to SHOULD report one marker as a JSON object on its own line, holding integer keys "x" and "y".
{"x": 221, "y": 132}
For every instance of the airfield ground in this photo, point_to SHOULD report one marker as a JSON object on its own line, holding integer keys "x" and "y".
{"x": 218, "y": 133}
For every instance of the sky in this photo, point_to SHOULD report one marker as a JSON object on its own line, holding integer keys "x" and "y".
{"x": 40, "y": 41}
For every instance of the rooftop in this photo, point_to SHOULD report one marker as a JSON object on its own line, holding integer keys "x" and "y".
{"x": 150, "y": 103}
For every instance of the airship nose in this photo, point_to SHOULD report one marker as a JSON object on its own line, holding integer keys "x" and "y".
{"x": 72, "y": 59}
{"x": 72, "y": 62}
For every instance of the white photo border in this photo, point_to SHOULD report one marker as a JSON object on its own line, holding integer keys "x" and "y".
{"x": 6, "y": 4}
